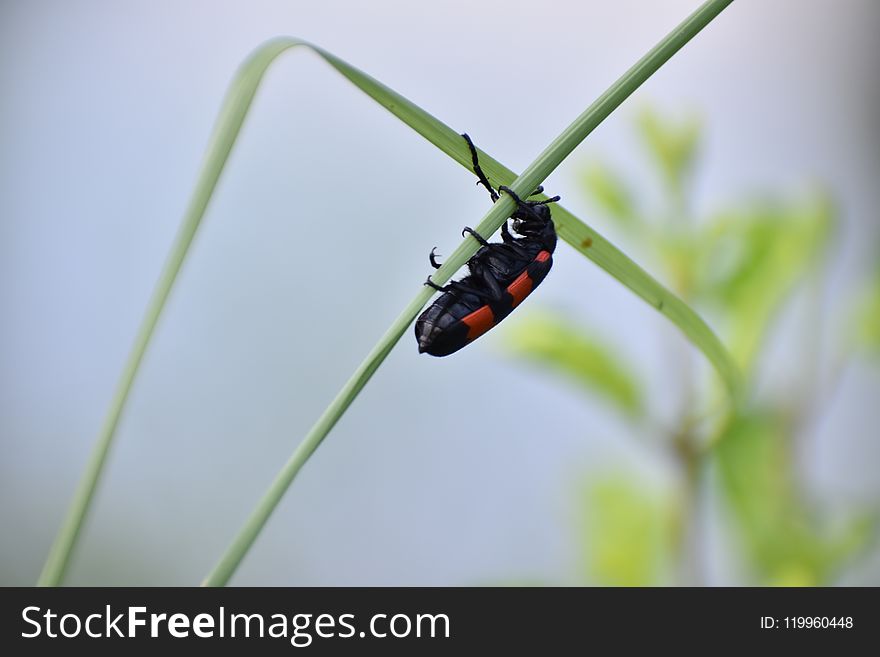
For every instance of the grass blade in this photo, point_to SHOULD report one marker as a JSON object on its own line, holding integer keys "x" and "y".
{"x": 232, "y": 114}
{"x": 583, "y": 238}
{"x": 572, "y": 230}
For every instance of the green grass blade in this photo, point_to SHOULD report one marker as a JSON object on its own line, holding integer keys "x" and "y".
{"x": 571, "y": 229}
{"x": 586, "y": 240}
{"x": 583, "y": 238}
{"x": 232, "y": 114}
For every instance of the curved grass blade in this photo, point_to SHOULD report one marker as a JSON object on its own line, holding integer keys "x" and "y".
{"x": 575, "y": 232}
{"x": 586, "y": 240}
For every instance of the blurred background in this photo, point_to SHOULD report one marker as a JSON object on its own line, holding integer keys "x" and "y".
{"x": 584, "y": 441}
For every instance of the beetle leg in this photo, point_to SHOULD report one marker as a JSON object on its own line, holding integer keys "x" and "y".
{"x": 493, "y": 290}
{"x": 519, "y": 251}
{"x": 526, "y": 204}
{"x": 433, "y": 259}
{"x": 507, "y": 190}
{"x": 505, "y": 234}
{"x": 456, "y": 286}
{"x": 511, "y": 242}
{"x": 483, "y": 180}
{"x": 468, "y": 230}
{"x": 467, "y": 289}
{"x": 439, "y": 288}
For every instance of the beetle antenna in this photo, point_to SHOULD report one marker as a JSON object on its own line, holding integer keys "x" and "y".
{"x": 483, "y": 180}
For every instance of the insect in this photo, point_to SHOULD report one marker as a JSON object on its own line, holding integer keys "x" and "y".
{"x": 501, "y": 275}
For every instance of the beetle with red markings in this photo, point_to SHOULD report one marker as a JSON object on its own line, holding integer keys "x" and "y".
{"x": 500, "y": 276}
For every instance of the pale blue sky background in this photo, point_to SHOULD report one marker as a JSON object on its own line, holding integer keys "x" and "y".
{"x": 449, "y": 471}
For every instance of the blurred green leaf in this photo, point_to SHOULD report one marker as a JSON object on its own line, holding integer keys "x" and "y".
{"x": 673, "y": 146}
{"x": 680, "y": 254}
{"x": 628, "y": 533}
{"x": 610, "y": 193}
{"x": 558, "y": 344}
{"x": 753, "y": 470}
{"x": 867, "y": 319}
{"x": 753, "y": 258}
{"x": 786, "y": 539}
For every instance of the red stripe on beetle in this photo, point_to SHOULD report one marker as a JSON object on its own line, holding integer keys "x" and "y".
{"x": 522, "y": 286}
{"x": 478, "y": 322}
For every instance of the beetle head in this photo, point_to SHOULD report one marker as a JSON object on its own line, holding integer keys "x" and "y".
{"x": 531, "y": 220}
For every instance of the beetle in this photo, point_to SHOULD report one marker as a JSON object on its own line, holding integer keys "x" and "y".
{"x": 501, "y": 274}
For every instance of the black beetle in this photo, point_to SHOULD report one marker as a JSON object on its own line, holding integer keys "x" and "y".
{"x": 500, "y": 276}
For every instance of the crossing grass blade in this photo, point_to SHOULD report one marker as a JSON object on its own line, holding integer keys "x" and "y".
{"x": 582, "y": 237}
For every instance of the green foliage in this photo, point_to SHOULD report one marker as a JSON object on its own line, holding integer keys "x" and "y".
{"x": 786, "y": 537}
{"x": 610, "y": 193}
{"x": 867, "y": 317}
{"x": 742, "y": 263}
{"x": 672, "y": 146}
{"x": 557, "y": 344}
{"x": 750, "y": 260}
{"x": 629, "y": 531}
